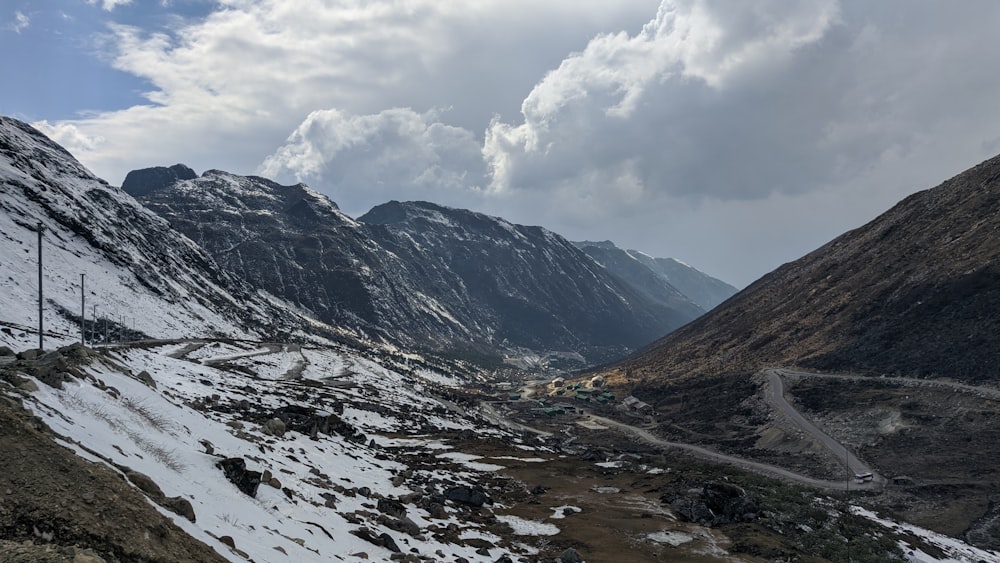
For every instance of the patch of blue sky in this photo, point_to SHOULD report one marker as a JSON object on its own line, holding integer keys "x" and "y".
{"x": 61, "y": 54}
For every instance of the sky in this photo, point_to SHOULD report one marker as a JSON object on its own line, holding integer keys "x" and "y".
{"x": 734, "y": 136}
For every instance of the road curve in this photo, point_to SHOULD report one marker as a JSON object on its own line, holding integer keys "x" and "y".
{"x": 774, "y": 396}
{"x": 719, "y": 457}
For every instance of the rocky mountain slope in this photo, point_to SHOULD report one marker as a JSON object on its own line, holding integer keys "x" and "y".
{"x": 915, "y": 292}
{"x": 663, "y": 279}
{"x": 238, "y": 450}
{"x": 526, "y": 285}
{"x": 414, "y": 274}
{"x": 144, "y": 278}
{"x": 892, "y": 330}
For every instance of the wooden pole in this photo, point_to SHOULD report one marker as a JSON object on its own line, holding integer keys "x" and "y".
{"x": 41, "y": 338}
{"x": 83, "y": 311}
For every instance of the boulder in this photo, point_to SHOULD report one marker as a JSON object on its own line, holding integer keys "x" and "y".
{"x": 146, "y": 484}
{"x": 570, "y": 556}
{"x": 311, "y": 422}
{"x": 235, "y": 470}
{"x": 146, "y": 378}
{"x": 381, "y": 540}
{"x": 391, "y": 507}
{"x": 28, "y": 355}
{"x": 180, "y": 506}
{"x": 274, "y": 427}
{"x": 75, "y": 351}
{"x": 469, "y": 496}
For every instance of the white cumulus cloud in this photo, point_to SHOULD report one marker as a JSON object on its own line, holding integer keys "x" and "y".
{"x": 396, "y": 153}
{"x": 21, "y": 22}
{"x": 109, "y": 4}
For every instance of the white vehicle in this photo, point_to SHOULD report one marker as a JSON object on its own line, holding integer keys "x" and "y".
{"x": 864, "y": 477}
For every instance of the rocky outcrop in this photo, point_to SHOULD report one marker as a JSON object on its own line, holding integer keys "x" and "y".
{"x": 235, "y": 469}
{"x": 467, "y": 495}
{"x": 716, "y": 504}
{"x": 141, "y": 182}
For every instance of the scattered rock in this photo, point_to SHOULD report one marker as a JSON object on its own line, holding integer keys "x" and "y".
{"x": 146, "y": 378}
{"x": 470, "y": 496}
{"x": 5, "y": 351}
{"x": 381, "y": 540}
{"x": 594, "y": 455}
{"x": 236, "y": 471}
{"x": 28, "y": 355}
{"x": 27, "y": 386}
{"x": 391, "y": 507}
{"x": 717, "y": 504}
{"x": 329, "y": 500}
{"x": 75, "y": 351}
{"x": 570, "y": 556}
{"x": 146, "y": 484}
{"x": 389, "y": 543}
{"x": 228, "y": 540}
{"x": 180, "y": 506}
{"x": 274, "y": 427}
{"x": 209, "y": 448}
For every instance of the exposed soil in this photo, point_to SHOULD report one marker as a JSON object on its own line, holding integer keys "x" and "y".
{"x": 938, "y": 446}
{"x": 81, "y": 511}
{"x": 624, "y": 510}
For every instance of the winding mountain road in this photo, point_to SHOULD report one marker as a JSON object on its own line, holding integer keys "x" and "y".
{"x": 774, "y": 396}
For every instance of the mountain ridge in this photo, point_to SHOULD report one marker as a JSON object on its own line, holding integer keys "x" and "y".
{"x": 415, "y": 273}
{"x": 870, "y": 300}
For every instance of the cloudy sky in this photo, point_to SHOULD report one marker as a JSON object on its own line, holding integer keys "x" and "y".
{"x": 733, "y": 135}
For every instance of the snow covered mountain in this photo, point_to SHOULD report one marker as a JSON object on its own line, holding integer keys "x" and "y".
{"x": 254, "y": 447}
{"x": 662, "y": 278}
{"x": 141, "y": 278}
{"x": 413, "y": 274}
{"x": 527, "y": 285}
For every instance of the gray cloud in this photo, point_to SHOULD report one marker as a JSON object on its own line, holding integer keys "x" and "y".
{"x": 732, "y": 135}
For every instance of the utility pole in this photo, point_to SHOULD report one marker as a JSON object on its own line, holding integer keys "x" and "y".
{"x": 41, "y": 338}
{"x": 83, "y": 311}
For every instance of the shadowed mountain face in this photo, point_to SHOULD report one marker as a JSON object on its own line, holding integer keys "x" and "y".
{"x": 915, "y": 292}
{"x": 416, "y": 273}
{"x": 662, "y": 279}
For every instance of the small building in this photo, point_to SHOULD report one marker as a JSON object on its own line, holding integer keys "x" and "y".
{"x": 633, "y": 404}
{"x": 559, "y": 382}
{"x": 597, "y": 381}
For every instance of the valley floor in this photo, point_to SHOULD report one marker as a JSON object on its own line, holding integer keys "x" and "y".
{"x": 274, "y": 452}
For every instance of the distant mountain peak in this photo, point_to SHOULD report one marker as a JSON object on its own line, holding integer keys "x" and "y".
{"x": 659, "y": 276}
